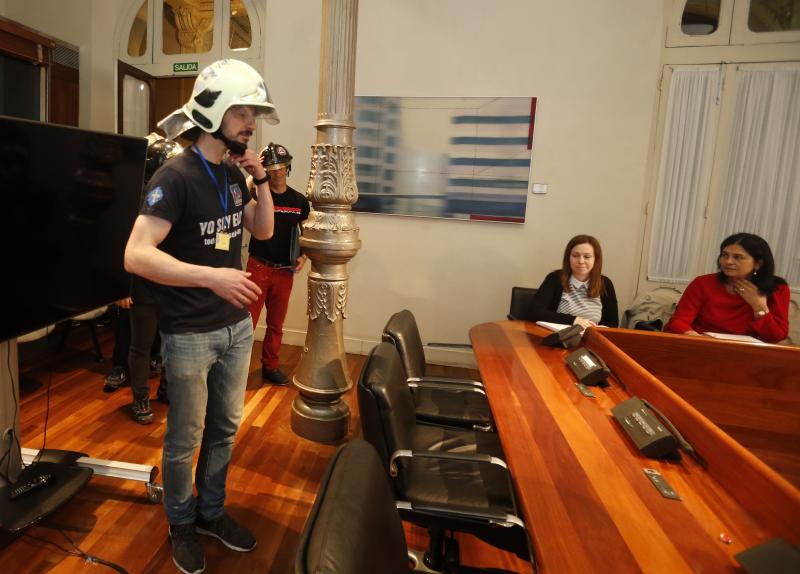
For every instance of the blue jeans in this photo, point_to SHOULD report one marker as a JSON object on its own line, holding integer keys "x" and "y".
{"x": 207, "y": 374}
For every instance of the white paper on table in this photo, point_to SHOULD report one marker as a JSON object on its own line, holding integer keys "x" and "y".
{"x": 558, "y": 326}
{"x": 552, "y": 326}
{"x": 739, "y": 338}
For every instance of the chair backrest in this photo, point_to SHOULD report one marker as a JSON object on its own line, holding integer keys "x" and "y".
{"x": 354, "y": 527}
{"x": 385, "y": 403}
{"x": 403, "y": 333}
{"x": 521, "y": 300}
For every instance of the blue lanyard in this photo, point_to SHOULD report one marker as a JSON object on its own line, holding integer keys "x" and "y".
{"x": 223, "y": 195}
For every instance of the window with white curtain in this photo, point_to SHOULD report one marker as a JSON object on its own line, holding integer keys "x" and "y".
{"x": 742, "y": 123}
{"x": 761, "y": 193}
{"x": 684, "y": 174}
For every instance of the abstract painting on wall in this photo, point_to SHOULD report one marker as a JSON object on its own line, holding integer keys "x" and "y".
{"x": 463, "y": 158}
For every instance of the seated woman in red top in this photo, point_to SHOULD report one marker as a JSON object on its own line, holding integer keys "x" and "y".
{"x": 744, "y": 298}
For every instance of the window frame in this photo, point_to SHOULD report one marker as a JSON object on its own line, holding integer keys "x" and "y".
{"x": 158, "y": 64}
{"x": 720, "y": 37}
{"x": 742, "y": 34}
{"x": 721, "y": 135}
{"x": 732, "y": 29}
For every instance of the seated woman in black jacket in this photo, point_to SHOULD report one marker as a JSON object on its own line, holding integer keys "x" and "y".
{"x": 578, "y": 293}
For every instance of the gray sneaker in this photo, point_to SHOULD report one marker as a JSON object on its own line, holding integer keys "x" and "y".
{"x": 115, "y": 379}
{"x": 231, "y": 534}
{"x": 187, "y": 552}
{"x": 142, "y": 413}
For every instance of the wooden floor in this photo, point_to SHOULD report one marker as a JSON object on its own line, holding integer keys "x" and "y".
{"x": 272, "y": 481}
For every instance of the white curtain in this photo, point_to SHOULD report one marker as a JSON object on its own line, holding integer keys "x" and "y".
{"x": 135, "y": 107}
{"x": 761, "y": 194}
{"x": 684, "y": 175}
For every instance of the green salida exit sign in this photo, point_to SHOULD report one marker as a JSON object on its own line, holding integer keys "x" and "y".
{"x": 184, "y": 67}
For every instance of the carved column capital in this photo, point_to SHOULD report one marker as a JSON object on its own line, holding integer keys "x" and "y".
{"x": 332, "y": 179}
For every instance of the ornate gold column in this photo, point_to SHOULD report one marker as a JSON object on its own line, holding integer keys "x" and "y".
{"x": 330, "y": 235}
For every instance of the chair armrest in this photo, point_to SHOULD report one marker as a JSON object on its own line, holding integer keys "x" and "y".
{"x": 446, "y": 387}
{"x": 497, "y": 518}
{"x": 448, "y": 380}
{"x": 463, "y": 457}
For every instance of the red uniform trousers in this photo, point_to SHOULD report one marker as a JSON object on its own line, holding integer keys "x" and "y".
{"x": 276, "y": 286}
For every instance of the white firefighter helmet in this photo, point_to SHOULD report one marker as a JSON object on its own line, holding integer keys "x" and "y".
{"x": 223, "y": 84}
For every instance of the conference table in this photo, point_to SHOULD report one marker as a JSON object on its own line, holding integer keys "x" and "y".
{"x": 580, "y": 481}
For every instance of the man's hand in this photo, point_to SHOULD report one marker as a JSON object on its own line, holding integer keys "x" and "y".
{"x": 125, "y": 303}
{"x": 249, "y": 162}
{"x": 301, "y": 261}
{"x": 233, "y": 286}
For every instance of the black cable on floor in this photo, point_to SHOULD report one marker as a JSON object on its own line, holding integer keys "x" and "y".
{"x": 77, "y": 551}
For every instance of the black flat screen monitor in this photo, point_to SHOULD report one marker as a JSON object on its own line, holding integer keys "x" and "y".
{"x": 69, "y": 198}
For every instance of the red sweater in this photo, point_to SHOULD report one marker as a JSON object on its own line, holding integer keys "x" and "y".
{"x": 707, "y": 306}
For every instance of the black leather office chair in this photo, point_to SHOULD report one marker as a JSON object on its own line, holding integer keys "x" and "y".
{"x": 438, "y": 400}
{"x": 434, "y": 467}
{"x": 521, "y": 301}
{"x": 354, "y": 527}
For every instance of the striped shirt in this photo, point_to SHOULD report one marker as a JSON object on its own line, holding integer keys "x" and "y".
{"x": 578, "y": 303}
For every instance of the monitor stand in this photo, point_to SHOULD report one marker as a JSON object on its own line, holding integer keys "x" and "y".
{"x": 71, "y": 470}
{"x": 64, "y": 482}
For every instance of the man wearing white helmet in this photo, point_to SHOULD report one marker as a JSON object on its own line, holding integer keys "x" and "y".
{"x": 187, "y": 239}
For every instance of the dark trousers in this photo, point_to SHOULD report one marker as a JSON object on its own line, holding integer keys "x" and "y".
{"x": 122, "y": 339}
{"x": 145, "y": 343}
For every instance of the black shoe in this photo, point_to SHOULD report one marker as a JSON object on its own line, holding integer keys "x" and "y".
{"x": 274, "y": 377}
{"x": 233, "y": 535}
{"x": 161, "y": 392}
{"x": 187, "y": 552}
{"x": 155, "y": 367}
{"x": 142, "y": 413}
{"x": 115, "y": 379}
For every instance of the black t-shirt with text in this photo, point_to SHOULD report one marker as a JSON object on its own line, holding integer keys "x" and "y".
{"x": 183, "y": 193}
{"x": 291, "y": 209}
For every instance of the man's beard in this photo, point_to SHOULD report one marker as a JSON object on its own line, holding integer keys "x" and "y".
{"x": 234, "y": 146}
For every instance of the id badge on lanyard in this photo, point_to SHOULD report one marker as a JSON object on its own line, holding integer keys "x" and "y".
{"x": 223, "y": 241}
{"x": 223, "y": 238}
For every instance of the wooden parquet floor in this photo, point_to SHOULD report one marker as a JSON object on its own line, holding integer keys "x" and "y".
{"x": 272, "y": 481}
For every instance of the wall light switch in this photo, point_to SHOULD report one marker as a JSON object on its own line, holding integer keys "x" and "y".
{"x": 539, "y": 188}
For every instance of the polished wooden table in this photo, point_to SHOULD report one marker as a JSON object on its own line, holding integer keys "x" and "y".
{"x": 752, "y": 392}
{"x": 580, "y": 481}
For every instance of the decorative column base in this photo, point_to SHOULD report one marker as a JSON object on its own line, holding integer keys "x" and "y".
{"x": 318, "y": 413}
{"x": 320, "y": 421}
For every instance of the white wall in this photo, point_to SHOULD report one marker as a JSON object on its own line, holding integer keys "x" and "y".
{"x": 592, "y": 64}
{"x": 593, "y": 67}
